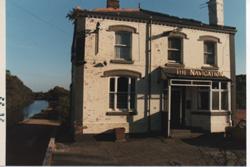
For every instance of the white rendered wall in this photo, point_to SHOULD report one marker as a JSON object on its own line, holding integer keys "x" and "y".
{"x": 96, "y": 86}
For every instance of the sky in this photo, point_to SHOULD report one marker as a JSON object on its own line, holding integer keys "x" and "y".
{"x": 39, "y": 36}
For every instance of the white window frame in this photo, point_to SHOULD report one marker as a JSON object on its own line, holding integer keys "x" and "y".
{"x": 174, "y": 49}
{"x": 125, "y": 46}
{"x": 129, "y": 95}
{"x": 215, "y": 53}
{"x": 209, "y": 85}
{"x": 220, "y": 90}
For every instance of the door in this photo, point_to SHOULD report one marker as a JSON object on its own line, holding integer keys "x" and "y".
{"x": 176, "y": 109}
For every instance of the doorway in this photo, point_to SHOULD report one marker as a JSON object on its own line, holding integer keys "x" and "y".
{"x": 177, "y": 109}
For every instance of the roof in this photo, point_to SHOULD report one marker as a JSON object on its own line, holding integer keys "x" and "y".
{"x": 142, "y": 15}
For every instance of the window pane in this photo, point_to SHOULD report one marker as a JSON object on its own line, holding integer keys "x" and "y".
{"x": 123, "y": 38}
{"x": 210, "y": 59}
{"x": 132, "y": 100}
{"x": 204, "y": 100}
{"x": 215, "y": 98}
{"x": 111, "y": 100}
{"x": 132, "y": 86}
{"x": 122, "y": 84}
{"x": 112, "y": 85}
{"x": 215, "y": 85}
{"x": 209, "y": 53}
{"x": 224, "y": 100}
{"x": 223, "y": 85}
{"x": 122, "y": 100}
{"x": 205, "y": 48}
{"x": 174, "y": 55}
{"x": 174, "y": 49}
{"x": 123, "y": 52}
{"x": 174, "y": 43}
{"x": 132, "y": 93}
{"x": 122, "y": 94}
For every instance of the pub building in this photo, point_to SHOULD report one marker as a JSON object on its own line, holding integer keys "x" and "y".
{"x": 147, "y": 71}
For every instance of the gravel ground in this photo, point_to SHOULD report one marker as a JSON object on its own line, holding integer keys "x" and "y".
{"x": 205, "y": 149}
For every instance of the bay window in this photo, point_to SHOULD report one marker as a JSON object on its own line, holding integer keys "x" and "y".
{"x": 122, "y": 93}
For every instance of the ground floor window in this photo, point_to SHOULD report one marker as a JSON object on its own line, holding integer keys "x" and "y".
{"x": 215, "y": 100}
{"x": 122, "y": 93}
{"x": 219, "y": 97}
{"x": 224, "y": 100}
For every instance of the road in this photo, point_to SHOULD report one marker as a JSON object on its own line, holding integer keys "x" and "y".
{"x": 26, "y": 144}
{"x": 206, "y": 149}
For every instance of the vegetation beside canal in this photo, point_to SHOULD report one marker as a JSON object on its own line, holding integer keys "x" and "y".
{"x": 18, "y": 96}
{"x": 58, "y": 99}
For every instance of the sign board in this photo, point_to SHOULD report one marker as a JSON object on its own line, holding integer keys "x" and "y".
{"x": 198, "y": 73}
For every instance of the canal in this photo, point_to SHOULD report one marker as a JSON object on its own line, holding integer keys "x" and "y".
{"x": 34, "y": 108}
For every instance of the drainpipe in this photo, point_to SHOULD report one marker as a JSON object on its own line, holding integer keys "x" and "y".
{"x": 148, "y": 68}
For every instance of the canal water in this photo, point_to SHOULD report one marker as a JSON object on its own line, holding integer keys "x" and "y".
{"x": 34, "y": 108}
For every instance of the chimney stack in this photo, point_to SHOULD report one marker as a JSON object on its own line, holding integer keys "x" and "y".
{"x": 113, "y": 4}
{"x": 216, "y": 12}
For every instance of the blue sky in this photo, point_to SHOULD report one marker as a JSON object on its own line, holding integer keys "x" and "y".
{"x": 39, "y": 36}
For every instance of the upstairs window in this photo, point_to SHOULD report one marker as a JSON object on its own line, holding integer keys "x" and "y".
{"x": 209, "y": 53}
{"x": 174, "y": 49}
{"x": 123, "y": 45}
{"x": 210, "y": 44}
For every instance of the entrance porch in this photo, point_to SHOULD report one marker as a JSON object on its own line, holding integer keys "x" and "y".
{"x": 196, "y": 103}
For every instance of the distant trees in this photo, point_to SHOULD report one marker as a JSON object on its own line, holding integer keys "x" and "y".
{"x": 59, "y": 99}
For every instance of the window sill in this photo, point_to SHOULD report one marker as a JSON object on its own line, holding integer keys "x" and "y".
{"x": 208, "y": 67}
{"x": 174, "y": 65}
{"x": 121, "y": 113}
{"x": 120, "y": 61}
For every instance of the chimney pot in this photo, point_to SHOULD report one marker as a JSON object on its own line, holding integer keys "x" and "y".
{"x": 113, "y": 4}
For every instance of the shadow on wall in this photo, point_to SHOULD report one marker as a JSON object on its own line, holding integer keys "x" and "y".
{"x": 154, "y": 122}
{"x": 134, "y": 126}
